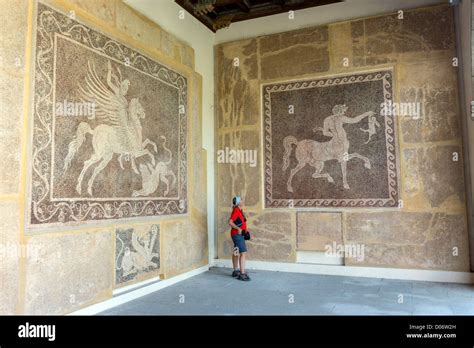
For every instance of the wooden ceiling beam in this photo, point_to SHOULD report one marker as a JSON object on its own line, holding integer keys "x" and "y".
{"x": 241, "y": 10}
{"x": 188, "y": 6}
{"x": 262, "y": 12}
{"x": 244, "y": 5}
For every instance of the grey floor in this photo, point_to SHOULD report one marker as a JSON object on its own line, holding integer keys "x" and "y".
{"x": 278, "y": 293}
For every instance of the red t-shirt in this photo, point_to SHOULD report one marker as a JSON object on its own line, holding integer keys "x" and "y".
{"x": 238, "y": 217}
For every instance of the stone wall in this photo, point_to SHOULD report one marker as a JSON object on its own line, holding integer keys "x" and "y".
{"x": 428, "y": 229}
{"x": 59, "y": 269}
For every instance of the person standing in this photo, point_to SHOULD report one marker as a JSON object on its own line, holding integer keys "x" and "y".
{"x": 238, "y": 222}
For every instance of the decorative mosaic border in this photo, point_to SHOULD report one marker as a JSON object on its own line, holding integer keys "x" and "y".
{"x": 43, "y": 210}
{"x": 390, "y": 134}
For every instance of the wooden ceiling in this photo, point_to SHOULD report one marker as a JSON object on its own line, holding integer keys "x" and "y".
{"x": 218, "y": 14}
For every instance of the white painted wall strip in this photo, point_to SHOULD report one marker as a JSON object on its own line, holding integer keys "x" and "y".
{"x": 316, "y": 257}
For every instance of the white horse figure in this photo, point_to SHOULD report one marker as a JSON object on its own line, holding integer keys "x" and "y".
{"x": 121, "y": 132}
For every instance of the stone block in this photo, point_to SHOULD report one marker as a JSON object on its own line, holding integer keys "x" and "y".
{"x": 14, "y": 19}
{"x": 10, "y": 254}
{"x": 238, "y": 103}
{"x": 340, "y": 43}
{"x": 387, "y": 227}
{"x": 411, "y": 181}
{"x": 68, "y": 271}
{"x": 448, "y": 246}
{"x": 441, "y": 176}
{"x": 387, "y": 38}
{"x": 199, "y": 172}
{"x": 389, "y": 35}
{"x": 11, "y": 116}
{"x": 432, "y": 87}
{"x": 272, "y": 237}
{"x": 102, "y": 9}
{"x": 167, "y": 43}
{"x": 386, "y": 255}
{"x": 290, "y": 39}
{"x": 315, "y": 231}
{"x": 297, "y": 60}
{"x": 294, "y": 53}
{"x": 435, "y": 176}
{"x": 238, "y": 167}
{"x": 144, "y": 31}
{"x": 185, "y": 246}
{"x": 188, "y": 56}
{"x": 444, "y": 245}
{"x": 242, "y": 55}
{"x": 237, "y": 86}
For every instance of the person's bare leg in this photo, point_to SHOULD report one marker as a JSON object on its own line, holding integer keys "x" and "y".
{"x": 235, "y": 261}
{"x": 242, "y": 263}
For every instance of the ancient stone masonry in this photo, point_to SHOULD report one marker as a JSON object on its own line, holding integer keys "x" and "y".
{"x": 328, "y": 142}
{"x": 296, "y": 97}
{"x": 314, "y": 232}
{"x": 272, "y": 238}
{"x": 384, "y": 39}
{"x": 109, "y": 129}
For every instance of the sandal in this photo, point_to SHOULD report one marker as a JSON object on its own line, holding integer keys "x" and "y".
{"x": 244, "y": 277}
{"x": 235, "y": 274}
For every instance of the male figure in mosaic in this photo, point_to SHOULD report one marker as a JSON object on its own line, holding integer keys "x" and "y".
{"x": 316, "y": 153}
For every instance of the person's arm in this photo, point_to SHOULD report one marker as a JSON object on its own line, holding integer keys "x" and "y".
{"x": 233, "y": 225}
{"x": 109, "y": 79}
{"x": 357, "y": 118}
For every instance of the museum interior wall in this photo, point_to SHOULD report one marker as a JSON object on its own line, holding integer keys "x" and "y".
{"x": 464, "y": 13}
{"x": 348, "y": 174}
{"x": 97, "y": 196}
{"x": 105, "y": 177}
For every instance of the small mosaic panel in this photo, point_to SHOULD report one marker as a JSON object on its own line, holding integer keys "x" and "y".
{"x": 137, "y": 253}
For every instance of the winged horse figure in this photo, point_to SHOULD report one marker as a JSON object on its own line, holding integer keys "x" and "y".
{"x": 120, "y": 131}
{"x": 316, "y": 153}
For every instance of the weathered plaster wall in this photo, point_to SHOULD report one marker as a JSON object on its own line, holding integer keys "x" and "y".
{"x": 432, "y": 219}
{"x": 67, "y": 268}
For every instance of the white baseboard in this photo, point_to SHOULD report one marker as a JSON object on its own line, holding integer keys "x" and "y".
{"x": 352, "y": 271}
{"x": 318, "y": 258}
{"x": 134, "y": 294}
{"x": 135, "y": 286}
